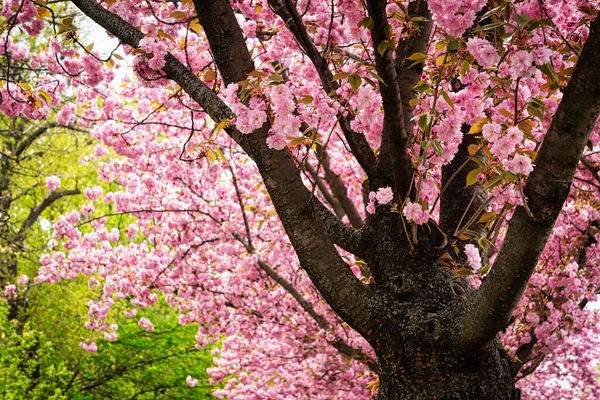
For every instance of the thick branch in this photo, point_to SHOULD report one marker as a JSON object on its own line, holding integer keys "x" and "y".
{"x": 292, "y": 200}
{"x": 394, "y": 162}
{"x": 33, "y": 136}
{"x": 358, "y": 143}
{"x": 407, "y": 76}
{"x": 175, "y": 70}
{"x": 546, "y": 191}
{"x": 459, "y": 203}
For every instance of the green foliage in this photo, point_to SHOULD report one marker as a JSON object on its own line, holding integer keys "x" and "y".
{"x": 47, "y": 363}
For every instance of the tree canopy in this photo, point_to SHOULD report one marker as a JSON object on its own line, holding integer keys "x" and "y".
{"x": 351, "y": 198}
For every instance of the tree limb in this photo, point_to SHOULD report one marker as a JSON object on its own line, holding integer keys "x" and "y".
{"x": 307, "y": 306}
{"x": 39, "y": 209}
{"x": 331, "y": 200}
{"x": 292, "y": 200}
{"x": 339, "y": 189}
{"x": 358, "y": 143}
{"x": 407, "y": 76}
{"x": 394, "y": 162}
{"x": 546, "y": 191}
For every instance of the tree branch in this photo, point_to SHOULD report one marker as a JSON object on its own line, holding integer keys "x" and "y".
{"x": 394, "y": 162}
{"x": 546, "y": 191}
{"x": 456, "y": 201}
{"x": 339, "y": 189}
{"x": 306, "y": 305}
{"x": 292, "y": 200}
{"x": 407, "y": 76}
{"x": 358, "y": 143}
{"x": 30, "y": 139}
{"x": 39, "y": 209}
{"x": 332, "y": 201}
{"x": 593, "y": 169}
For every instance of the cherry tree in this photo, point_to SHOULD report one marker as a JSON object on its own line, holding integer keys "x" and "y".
{"x": 398, "y": 198}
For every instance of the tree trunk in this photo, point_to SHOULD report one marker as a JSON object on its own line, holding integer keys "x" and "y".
{"x": 415, "y": 334}
{"x": 416, "y": 371}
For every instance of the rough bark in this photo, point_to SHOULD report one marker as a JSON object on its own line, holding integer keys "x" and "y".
{"x": 416, "y": 301}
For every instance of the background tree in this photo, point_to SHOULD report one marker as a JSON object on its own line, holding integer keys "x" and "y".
{"x": 434, "y": 113}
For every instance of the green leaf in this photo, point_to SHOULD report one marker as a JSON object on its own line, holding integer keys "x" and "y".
{"x": 382, "y": 47}
{"x": 472, "y": 176}
{"x": 437, "y": 146}
{"x": 463, "y": 272}
{"x": 177, "y": 15}
{"x": 340, "y": 75}
{"x": 492, "y": 12}
{"x": 355, "y": 81}
{"x": 306, "y": 99}
{"x": 521, "y": 19}
{"x": 417, "y": 57}
{"x": 366, "y": 22}
{"x": 548, "y": 70}
{"x": 447, "y": 98}
{"x": 488, "y": 216}
{"x": 487, "y": 27}
{"x": 424, "y": 122}
{"x": 374, "y": 75}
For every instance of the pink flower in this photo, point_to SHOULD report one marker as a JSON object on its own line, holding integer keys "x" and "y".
{"x": 483, "y": 51}
{"x": 491, "y": 132}
{"x": 514, "y": 135}
{"x": 191, "y": 382}
{"x": 522, "y": 62}
{"x": 414, "y": 212}
{"x": 384, "y": 195}
{"x": 145, "y": 324}
{"x": 52, "y": 182}
{"x": 130, "y": 313}
{"x": 10, "y": 291}
{"x": 366, "y": 97}
{"x": 23, "y": 279}
{"x": 276, "y": 142}
{"x": 89, "y": 346}
{"x": 520, "y": 164}
{"x": 472, "y": 253}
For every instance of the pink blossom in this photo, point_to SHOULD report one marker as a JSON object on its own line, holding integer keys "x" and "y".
{"x": 191, "y": 382}
{"x": 385, "y": 195}
{"x": 52, "y": 182}
{"x": 88, "y": 346}
{"x": 519, "y": 164}
{"x": 491, "y": 132}
{"x": 10, "y": 291}
{"x": 414, "y": 212}
{"x": 145, "y": 324}
{"x": 472, "y": 253}
{"x": 522, "y": 62}
{"x": 23, "y": 279}
{"x": 483, "y": 51}
{"x": 276, "y": 142}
